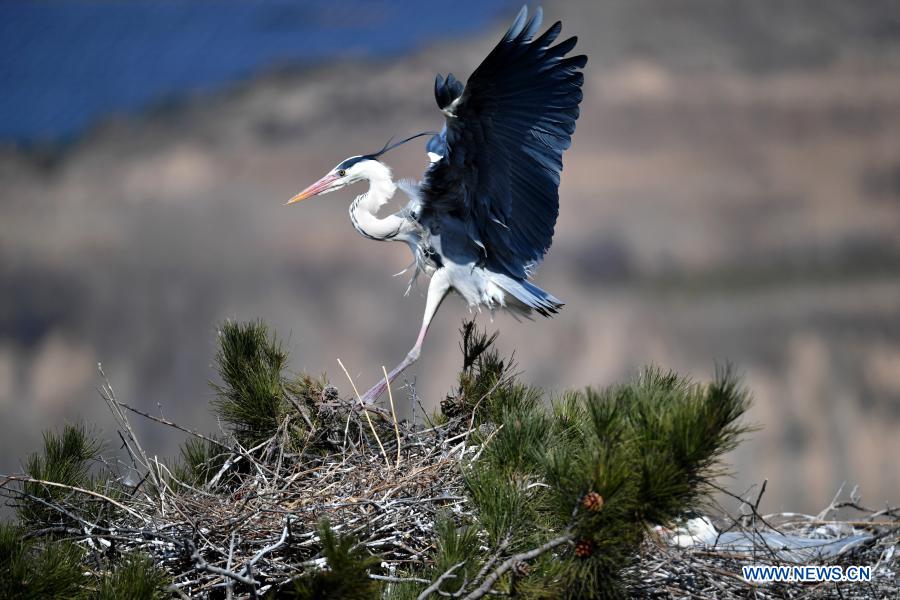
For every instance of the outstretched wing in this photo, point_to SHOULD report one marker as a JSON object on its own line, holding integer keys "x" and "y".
{"x": 505, "y": 135}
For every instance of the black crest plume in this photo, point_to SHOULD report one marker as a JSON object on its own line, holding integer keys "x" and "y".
{"x": 389, "y": 146}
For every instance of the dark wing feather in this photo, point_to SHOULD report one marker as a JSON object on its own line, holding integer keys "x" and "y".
{"x": 506, "y": 132}
{"x": 437, "y": 144}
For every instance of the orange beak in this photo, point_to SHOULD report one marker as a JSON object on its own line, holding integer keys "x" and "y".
{"x": 315, "y": 189}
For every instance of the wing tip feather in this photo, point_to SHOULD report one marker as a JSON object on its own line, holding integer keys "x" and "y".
{"x": 516, "y": 28}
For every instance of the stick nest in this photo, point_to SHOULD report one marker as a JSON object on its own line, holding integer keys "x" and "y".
{"x": 297, "y": 471}
{"x": 708, "y": 570}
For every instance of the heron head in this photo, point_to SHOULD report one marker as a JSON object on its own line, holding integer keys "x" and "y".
{"x": 353, "y": 169}
{"x": 343, "y": 174}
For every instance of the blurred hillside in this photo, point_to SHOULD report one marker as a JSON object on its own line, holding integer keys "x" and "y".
{"x": 733, "y": 193}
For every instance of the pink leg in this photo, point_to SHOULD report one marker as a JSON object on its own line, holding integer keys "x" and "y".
{"x": 437, "y": 291}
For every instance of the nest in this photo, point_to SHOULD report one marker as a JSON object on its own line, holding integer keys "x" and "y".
{"x": 253, "y": 522}
{"x": 710, "y": 565}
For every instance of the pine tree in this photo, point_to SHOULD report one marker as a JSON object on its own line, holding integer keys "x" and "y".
{"x": 557, "y": 494}
{"x": 565, "y": 494}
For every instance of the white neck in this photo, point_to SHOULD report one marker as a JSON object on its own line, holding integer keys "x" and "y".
{"x": 364, "y": 210}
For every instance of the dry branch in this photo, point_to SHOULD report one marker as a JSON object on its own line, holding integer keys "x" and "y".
{"x": 250, "y": 526}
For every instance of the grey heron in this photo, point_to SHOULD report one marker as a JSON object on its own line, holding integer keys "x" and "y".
{"x": 483, "y": 216}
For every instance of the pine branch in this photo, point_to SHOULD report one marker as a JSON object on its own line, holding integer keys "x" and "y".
{"x": 436, "y": 585}
{"x": 500, "y": 495}
{"x": 513, "y": 560}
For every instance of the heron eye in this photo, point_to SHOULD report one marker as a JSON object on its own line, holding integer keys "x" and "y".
{"x": 342, "y": 173}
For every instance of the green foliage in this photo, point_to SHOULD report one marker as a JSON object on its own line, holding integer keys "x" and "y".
{"x": 44, "y": 566}
{"x": 648, "y": 448}
{"x": 251, "y": 398}
{"x": 501, "y": 503}
{"x": 135, "y": 577}
{"x": 522, "y": 437}
{"x": 487, "y": 385}
{"x": 66, "y": 459}
{"x": 28, "y": 571}
{"x": 454, "y": 545}
{"x": 200, "y": 461}
{"x": 666, "y": 431}
{"x": 483, "y": 369}
{"x": 347, "y": 572}
{"x": 592, "y": 469}
{"x": 256, "y": 398}
{"x": 679, "y": 431}
{"x": 307, "y": 390}
{"x": 56, "y": 569}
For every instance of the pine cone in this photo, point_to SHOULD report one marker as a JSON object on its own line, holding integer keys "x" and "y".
{"x": 521, "y": 569}
{"x": 584, "y": 548}
{"x": 451, "y": 406}
{"x": 330, "y": 393}
{"x": 592, "y": 501}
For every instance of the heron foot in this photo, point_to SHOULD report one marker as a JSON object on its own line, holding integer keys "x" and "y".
{"x": 379, "y": 388}
{"x": 373, "y": 394}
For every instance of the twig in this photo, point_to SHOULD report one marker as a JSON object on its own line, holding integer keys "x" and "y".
{"x": 201, "y": 565}
{"x": 174, "y": 589}
{"x": 475, "y": 410}
{"x": 489, "y": 564}
{"x": 437, "y": 583}
{"x": 109, "y": 396}
{"x": 267, "y": 549}
{"x": 762, "y": 490}
{"x": 229, "y": 585}
{"x": 73, "y": 488}
{"x": 365, "y": 412}
{"x": 387, "y": 382}
{"x": 832, "y": 505}
{"x": 392, "y": 579}
{"x": 510, "y": 562}
{"x": 486, "y": 441}
{"x": 169, "y": 423}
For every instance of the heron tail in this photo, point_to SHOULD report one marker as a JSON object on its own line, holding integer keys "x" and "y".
{"x": 531, "y": 296}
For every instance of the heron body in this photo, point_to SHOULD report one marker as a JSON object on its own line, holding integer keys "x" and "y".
{"x": 483, "y": 216}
